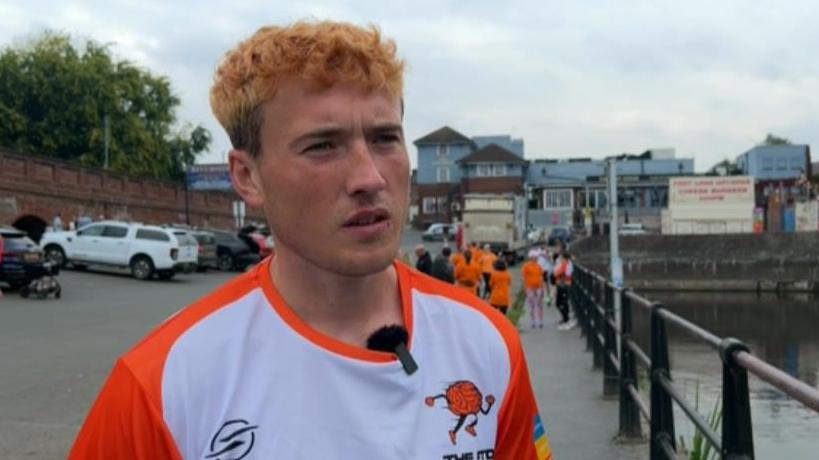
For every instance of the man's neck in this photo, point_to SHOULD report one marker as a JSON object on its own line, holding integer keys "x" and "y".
{"x": 347, "y": 308}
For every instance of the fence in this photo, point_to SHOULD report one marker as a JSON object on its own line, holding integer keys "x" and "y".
{"x": 614, "y": 349}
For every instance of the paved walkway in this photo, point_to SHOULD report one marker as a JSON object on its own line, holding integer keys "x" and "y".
{"x": 580, "y": 423}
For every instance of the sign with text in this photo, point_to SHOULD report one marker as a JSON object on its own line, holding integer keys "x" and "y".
{"x": 711, "y": 190}
{"x": 209, "y": 177}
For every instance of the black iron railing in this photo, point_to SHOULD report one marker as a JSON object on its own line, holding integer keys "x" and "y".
{"x": 618, "y": 354}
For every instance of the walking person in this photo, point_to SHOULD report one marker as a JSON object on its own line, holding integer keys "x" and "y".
{"x": 424, "y": 262}
{"x": 442, "y": 268}
{"x": 57, "y": 223}
{"x": 487, "y": 267}
{"x": 292, "y": 359}
{"x": 468, "y": 274}
{"x": 500, "y": 283}
{"x": 563, "y": 279}
{"x": 544, "y": 259}
{"x": 533, "y": 283}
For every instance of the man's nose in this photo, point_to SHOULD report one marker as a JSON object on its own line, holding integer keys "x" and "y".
{"x": 364, "y": 175}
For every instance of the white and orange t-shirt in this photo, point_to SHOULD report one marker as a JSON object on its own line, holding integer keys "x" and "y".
{"x": 239, "y": 375}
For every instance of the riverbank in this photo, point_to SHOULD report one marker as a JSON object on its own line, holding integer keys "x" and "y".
{"x": 769, "y": 262}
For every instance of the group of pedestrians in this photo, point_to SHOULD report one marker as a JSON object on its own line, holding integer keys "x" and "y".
{"x": 478, "y": 270}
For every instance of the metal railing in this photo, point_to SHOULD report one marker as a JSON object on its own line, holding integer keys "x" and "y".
{"x": 593, "y": 299}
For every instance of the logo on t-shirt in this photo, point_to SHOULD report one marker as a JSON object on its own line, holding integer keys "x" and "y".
{"x": 465, "y": 400}
{"x": 233, "y": 441}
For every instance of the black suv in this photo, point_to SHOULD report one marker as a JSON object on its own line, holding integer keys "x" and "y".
{"x": 232, "y": 253}
{"x": 22, "y": 260}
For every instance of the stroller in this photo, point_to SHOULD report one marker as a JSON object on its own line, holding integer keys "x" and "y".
{"x": 45, "y": 285}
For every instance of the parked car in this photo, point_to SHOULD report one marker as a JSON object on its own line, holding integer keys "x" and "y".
{"x": 146, "y": 250}
{"x": 563, "y": 234}
{"x": 233, "y": 253}
{"x": 437, "y": 231}
{"x": 22, "y": 261}
{"x": 207, "y": 250}
{"x": 632, "y": 229}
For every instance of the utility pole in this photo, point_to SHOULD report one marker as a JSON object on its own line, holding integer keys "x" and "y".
{"x": 187, "y": 198}
{"x": 614, "y": 240}
{"x": 107, "y": 136}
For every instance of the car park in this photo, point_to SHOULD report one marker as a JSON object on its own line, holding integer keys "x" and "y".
{"x": 21, "y": 261}
{"x": 146, "y": 250}
{"x": 233, "y": 253}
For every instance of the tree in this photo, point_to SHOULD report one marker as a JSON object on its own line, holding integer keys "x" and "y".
{"x": 55, "y": 96}
{"x": 770, "y": 139}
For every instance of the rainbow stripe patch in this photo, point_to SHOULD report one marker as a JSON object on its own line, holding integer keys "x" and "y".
{"x": 544, "y": 452}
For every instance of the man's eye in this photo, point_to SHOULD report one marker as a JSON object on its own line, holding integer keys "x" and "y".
{"x": 320, "y": 147}
{"x": 386, "y": 139}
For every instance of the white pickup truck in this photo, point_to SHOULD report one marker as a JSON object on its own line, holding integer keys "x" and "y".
{"x": 145, "y": 249}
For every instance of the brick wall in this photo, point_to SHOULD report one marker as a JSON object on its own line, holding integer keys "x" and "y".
{"x": 43, "y": 187}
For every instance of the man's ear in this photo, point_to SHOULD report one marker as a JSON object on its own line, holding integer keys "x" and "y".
{"x": 244, "y": 173}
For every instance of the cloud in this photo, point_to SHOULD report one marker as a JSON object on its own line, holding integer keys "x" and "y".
{"x": 585, "y": 78}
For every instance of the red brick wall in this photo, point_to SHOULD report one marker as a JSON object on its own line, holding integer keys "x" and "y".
{"x": 434, "y": 190}
{"x": 44, "y": 187}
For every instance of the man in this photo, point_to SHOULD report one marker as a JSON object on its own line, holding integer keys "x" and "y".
{"x": 424, "y": 262}
{"x": 487, "y": 267}
{"x": 442, "y": 268}
{"x": 276, "y": 364}
{"x": 57, "y": 223}
{"x": 563, "y": 279}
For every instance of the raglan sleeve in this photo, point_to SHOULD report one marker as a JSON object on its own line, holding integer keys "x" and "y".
{"x": 124, "y": 423}
{"x": 521, "y": 433}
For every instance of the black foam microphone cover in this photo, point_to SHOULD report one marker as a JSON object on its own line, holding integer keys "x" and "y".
{"x": 393, "y": 339}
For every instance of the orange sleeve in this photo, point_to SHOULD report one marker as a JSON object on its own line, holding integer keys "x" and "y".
{"x": 124, "y": 423}
{"x": 521, "y": 434}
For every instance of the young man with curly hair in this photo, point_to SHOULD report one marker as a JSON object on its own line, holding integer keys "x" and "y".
{"x": 277, "y": 363}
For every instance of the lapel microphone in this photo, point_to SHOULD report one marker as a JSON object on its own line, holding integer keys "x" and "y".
{"x": 393, "y": 339}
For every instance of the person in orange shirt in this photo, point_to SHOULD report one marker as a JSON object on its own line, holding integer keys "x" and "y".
{"x": 533, "y": 283}
{"x": 468, "y": 274}
{"x": 458, "y": 257}
{"x": 487, "y": 267}
{"x": 476, "y": 252}
{"x": 500, "y": 283}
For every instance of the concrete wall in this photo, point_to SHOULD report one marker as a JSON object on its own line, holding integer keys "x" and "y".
{"x": 42, "y": 187}
{"x": 767, "y": 261}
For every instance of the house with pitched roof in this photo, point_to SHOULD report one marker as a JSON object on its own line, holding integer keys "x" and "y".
{"x": 451, "y": 164}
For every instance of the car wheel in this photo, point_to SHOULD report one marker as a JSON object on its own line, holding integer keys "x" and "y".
{"x": 165, "y": 274}
{"x": 225, "y": 262}
{"x": 55, "y": 255}
{"x": 142, "y": 268}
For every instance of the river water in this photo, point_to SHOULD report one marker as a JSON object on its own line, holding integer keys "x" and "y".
{"x": 781, "y": 329}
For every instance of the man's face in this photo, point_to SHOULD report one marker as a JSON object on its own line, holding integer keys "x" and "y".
{"x": 334, "y": 174}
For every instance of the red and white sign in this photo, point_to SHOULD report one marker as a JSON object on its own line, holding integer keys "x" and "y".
{"x": 711, "y": 190}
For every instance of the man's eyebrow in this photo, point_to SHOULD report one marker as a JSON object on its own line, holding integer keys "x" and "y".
{"x": 324, "y": 132}
{"x": 386, "y": 127}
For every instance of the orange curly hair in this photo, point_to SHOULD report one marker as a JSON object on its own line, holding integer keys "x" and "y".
{"x": 320, "y": 53}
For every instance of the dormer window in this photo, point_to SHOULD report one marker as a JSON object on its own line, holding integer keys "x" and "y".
{"x": 443, "y": 150}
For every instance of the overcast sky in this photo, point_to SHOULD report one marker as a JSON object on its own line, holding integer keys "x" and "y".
{"x": 586, "y": 78}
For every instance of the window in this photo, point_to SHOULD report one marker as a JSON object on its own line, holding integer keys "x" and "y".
{"x": 767, "y": 164}
{"x": 484, "y": 170}
{"x": 113, "y": 231}
{"x": 91, "y": 230}
{"x": 153, "y": 235}
{"x": 442, "y": 203}
{"x": 781, "y": 164}
{"x": 429, "y": 205}
{"x": 442, "y": 173}
{"x": 491, "y": 169}
{"x": 557, "y": 199}
{"x": 443, "y": 150}
{"x": 499, "y": 170}
{"x": 796, "y": 164}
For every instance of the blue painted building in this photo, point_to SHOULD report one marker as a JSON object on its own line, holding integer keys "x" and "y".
{"x": 775, "y": 162}
{"x": 566, "y": 192}
{"x": 451, "y": 164}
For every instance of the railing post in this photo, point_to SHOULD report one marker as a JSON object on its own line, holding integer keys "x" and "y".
{"x": 662, "y": 415}
{"x": 597, "y": 347}
{"x": 589, "y": 308}
{"x": 630, "y": 426}
{"x": 610, "y": 377}
{"x": 737, "y": 435}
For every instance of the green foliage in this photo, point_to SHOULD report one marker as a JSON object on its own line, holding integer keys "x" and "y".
{"x": 770, "y": 139}
{"x": 700, "y": 448}
{"x": 516, "y": 311}
{"x": 54, "y": 97}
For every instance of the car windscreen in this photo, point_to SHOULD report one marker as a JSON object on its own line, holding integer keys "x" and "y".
{"x": 13, "y": 242}
{"x": 185, "y": 239}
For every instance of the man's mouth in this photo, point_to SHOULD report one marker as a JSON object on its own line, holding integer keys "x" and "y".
{"x": 365, "y": 218}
